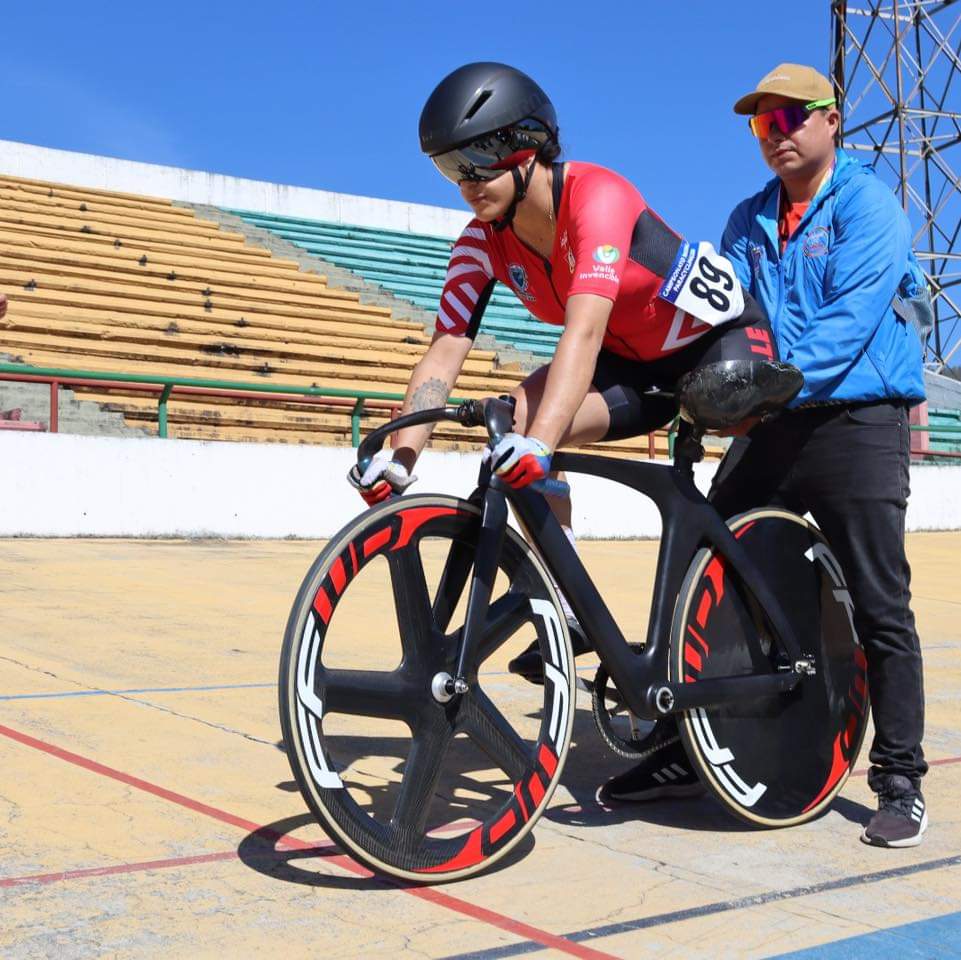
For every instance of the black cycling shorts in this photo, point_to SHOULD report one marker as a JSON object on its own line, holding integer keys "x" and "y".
{"x": 626, "y": 385}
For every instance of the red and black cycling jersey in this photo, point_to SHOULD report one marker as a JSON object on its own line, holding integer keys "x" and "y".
{"x": 607, "y": 242}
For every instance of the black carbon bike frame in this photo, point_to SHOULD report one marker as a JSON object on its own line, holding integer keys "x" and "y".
{"x": 689, "y": 522}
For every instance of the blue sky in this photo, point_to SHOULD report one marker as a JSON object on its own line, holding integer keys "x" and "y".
{"x": 328, "y": 95}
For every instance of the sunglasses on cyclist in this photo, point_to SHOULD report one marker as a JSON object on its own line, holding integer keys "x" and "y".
{"x": 787, "y": 119}
{"x": 492, "y": 155}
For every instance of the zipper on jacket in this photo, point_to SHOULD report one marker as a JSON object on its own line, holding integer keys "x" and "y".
{"x": 780, "y": 259}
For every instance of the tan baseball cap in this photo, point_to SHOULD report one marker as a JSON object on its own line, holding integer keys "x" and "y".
{"x": 792, "y": 80}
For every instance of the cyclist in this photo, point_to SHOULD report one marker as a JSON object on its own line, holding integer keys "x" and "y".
{"x": 581, "y": 249}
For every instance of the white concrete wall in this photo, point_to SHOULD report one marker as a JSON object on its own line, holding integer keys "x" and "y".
{"x": 67, "y": 486}
{"x": 195, "y": 186}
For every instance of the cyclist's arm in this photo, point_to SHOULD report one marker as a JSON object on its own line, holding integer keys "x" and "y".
{"x": 572, "y": 369}
{"x": 430, "y": 385}
{"x": 467, "y": 288}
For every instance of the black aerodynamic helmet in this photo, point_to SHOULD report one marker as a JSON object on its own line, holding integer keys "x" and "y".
{"x": 484, "y": 119}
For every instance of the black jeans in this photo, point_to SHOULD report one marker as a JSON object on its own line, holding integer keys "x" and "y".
{"x": 848, "y": 467}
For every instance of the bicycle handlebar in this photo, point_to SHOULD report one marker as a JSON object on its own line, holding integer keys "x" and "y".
{"x": 495, "y": 414}
{"x": 470, "y": 414}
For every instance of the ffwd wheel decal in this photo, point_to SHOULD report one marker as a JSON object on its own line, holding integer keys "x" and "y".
{"x": 821, "y": 552}
{"x": 555, "y": 669}
{"x": 310, "y": 710}
{"x": 721, "y": 760}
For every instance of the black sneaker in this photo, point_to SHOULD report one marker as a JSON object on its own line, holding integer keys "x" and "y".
{"x": 902, "y": 816}
{"x": 530, "y": 663}
{"x": 665, "y": 773}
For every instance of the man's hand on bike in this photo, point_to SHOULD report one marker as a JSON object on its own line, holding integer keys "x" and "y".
{"x": 520, "y": 460}
{"x": 382, "y": 479}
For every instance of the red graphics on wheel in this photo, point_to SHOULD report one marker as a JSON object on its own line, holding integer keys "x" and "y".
{"x": 782, "y": 759}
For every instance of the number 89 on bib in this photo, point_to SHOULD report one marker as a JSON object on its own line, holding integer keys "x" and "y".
{"x": 702, "y": 283}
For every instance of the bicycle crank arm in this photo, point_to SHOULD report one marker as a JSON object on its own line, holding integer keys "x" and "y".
{"x": 668, "y": 698}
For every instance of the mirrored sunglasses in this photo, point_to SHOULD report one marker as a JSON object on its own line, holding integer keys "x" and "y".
{"x": 787, "y": 119}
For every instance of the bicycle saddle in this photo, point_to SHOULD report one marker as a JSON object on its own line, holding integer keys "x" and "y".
{"x": 721, "y": 395}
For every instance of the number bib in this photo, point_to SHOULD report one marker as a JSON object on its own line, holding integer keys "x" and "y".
{"x": 702, "y": 283}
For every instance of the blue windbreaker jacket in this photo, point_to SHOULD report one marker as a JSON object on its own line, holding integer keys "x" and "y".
{"x": 829, "y": 296}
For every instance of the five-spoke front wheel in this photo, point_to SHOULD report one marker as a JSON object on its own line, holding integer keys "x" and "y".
{"x": 410, "y": 780}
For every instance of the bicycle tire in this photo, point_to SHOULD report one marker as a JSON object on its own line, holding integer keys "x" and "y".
{"x": 522, "y": 732}
{"x": 778, "y": 761}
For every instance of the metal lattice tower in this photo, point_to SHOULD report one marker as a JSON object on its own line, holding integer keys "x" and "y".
{"x": 897, "y": 67}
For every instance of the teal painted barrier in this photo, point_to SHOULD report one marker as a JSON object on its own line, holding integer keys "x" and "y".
{"x": 410, "y": 266}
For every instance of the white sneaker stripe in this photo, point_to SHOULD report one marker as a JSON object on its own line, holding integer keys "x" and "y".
{"x": 669, "y": 773}
{"x": 657, "y": 777}
{"x": 677, "y": 768}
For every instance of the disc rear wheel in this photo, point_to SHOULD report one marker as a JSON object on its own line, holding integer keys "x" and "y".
{"x": 782, "y": 759}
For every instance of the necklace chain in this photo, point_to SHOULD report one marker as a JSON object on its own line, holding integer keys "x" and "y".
{"x": 550, "y": 206}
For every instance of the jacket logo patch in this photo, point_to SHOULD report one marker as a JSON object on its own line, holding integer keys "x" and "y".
{"x": 755, "y": 253}
{"x": 816, "y": 242}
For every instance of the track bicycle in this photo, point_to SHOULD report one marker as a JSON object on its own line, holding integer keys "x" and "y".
{"x": 425, "y": 759}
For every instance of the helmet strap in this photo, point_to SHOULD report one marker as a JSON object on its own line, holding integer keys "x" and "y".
{"x": 521, "y": 185}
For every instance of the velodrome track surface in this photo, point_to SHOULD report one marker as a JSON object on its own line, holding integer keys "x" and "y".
{"x": 146, "y": 811}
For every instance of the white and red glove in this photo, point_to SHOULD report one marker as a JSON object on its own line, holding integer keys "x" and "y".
{"x": 520, "y": 460}
{"x": 383, "y": 478}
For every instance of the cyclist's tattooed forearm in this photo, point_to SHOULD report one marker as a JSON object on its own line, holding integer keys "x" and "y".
{"x": 431, "y": 393}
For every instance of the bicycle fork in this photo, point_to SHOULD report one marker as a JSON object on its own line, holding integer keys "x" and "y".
{"x": 490, "y": 540}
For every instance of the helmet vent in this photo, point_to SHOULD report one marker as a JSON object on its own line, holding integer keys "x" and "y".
{"x": 477, "y": 104}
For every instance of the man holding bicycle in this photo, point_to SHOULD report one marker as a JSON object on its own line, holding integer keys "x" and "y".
{"x": 826, "y": 250}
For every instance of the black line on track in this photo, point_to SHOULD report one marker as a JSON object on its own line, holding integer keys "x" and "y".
{"x": 725, "y": 906}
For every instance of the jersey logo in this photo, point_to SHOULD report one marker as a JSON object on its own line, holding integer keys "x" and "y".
{"x": 816, "y": 242}
{"x": 605, "y": 253}
{"x": 518, "y": 277}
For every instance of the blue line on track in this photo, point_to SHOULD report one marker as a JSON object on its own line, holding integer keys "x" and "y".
{"x": 923, "y": 939}
{"x": 110, "y": 693}
{"x": 644, "y": 923}
{"x": 219, "y": 686}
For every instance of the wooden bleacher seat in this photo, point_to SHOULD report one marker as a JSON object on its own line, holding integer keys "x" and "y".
{"x": 116, "y": 283}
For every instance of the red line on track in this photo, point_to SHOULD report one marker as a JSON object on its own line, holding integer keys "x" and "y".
{"x": 428, "y": 894}
{"x": 117, "y": 868}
